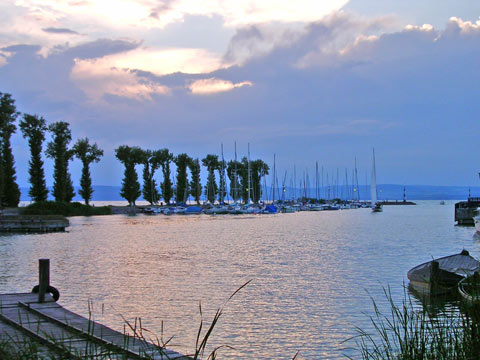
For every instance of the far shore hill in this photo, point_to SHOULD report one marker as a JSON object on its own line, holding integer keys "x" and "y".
{"x": 385, "y": 192}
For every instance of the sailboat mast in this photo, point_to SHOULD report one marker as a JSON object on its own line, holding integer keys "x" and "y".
{"x": 249, "y": 174}
{"x": 222, "y": 179}
{"x": 235, "y": 177}
{"x": 273, "y": 182}
{"x": 356, "y": 181}
{"x": 294, "y": 182}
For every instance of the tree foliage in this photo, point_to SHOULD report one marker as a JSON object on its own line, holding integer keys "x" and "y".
{"x": 33, "y": 128}
{"x": 59, "y": 152}
{"x": 129, "y": 157}
{"x": 166, "y": 157}
{"x": 234, "y": 168}
{"x": 211, "y": 189}
{"x": 258, "y": 169}
{"x": 182, "y": 161}
{"x": 195, "y": 183}
{"x": 9, "y": 190}
{"x": 88, "y": 154}
{"x": 151, "y": 163}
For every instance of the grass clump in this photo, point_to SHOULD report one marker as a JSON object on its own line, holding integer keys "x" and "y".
{"x": 65, "y": 209}
{"x": 409, "y": 331}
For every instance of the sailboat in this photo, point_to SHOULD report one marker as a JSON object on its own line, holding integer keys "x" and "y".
{"x": 376, "y": 205}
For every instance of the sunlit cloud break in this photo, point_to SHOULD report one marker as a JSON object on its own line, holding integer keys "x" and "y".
{"x": 212, "y": 86}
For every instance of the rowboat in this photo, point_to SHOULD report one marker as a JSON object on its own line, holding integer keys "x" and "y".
{"x": 469, "y": 289}
{"x": 442, "y": 275}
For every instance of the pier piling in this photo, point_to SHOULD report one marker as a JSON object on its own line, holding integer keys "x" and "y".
{"x": 43, "y": 278}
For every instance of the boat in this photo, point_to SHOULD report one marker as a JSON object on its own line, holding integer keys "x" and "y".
{"x": 217, "y": 210}
{"x": 469, "y": 289}
{"x": 476, "y": 221}
{"x": 193, "y": 210}
{"x": 442, "y": 202}
{"x": 152, "y": 210}
{"x": 376, "y": 205}
{"x": 440, "y": 276}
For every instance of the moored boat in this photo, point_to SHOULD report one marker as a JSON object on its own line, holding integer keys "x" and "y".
{"x": 476, "y": 221}
{"x": 469, "y": 289}
{"x": 442, "y": 275}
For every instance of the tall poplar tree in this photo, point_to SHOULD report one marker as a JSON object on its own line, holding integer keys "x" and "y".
{"x": 259, "y": 169}
{"x": 166, "y": 158}
{"x": 211, "y": 189}
{"x": 151, "y": 163}
{"x": 58, "y": 150}
{"x": 195, "y": 184}
{"x": 10, "y": 194}
{"x": 182, "y": 161}
{"x": 234, "y": 168}
{"x": 33, "y": 128}
{"x": 88, "y": 154}
{"x": 130, "y": 156}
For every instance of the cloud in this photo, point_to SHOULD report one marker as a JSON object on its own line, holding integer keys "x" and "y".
{"x": 98, "y": 48}
{"x": 98, "y": 82}
{"x": 212, "y": 86}
{"x": 326, "y": 91}
{"x": 53, "y": 30}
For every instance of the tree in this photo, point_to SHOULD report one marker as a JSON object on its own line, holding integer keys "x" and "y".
{"x": 182, "y": 161}
{"x": 195, "y": 184}
{"x": 258, "y": 169}
{"x": 33, "y": 128}
{"x": 234, "y": 168}
{"x": 166, "y": 157}
{"x": 59, "y": 152}
{"x": 151, "y": 163}
{"x": 211, "y": 163}
{"x": 222, "y": 189}
{"x": 87, "y": 153}
{"x": 129, "y": 157}
{"x": 10, "y": 192}
{"x": 243, "y": 174}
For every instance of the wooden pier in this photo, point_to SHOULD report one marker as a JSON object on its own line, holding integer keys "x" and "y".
{"x": 32, "y": 223}
{"x": 36, "y": 318}
{"x": 465, "y": 211}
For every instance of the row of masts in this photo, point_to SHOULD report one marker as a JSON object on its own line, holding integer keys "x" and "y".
{"x": 348, "y": 191}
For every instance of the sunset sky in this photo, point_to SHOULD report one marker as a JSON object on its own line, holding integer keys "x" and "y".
{"x": 307, "y": 79}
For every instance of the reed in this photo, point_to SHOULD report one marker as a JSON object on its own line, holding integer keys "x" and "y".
{"x": 411, "y": 332}
{"x": 30, "y": 350}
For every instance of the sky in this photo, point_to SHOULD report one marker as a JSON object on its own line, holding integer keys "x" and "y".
{"x": 307, "y": 81}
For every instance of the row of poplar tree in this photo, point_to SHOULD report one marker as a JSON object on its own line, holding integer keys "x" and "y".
{"x": 238, "y": 172}
{"x": 34, "y": 129}
{"x": 245, "y": 176}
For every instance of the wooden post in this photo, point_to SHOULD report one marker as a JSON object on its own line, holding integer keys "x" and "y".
{"x": 434, "y": 274}
{"x": 43, "y": 278}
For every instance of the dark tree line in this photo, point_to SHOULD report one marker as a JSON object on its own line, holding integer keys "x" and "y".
{"x": 34, "y": 128}
{"x": 187, "y": 178}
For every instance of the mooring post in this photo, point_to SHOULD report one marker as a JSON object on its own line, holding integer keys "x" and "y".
{"x": 434, "y": 276}
{"x": 43, "y": 278}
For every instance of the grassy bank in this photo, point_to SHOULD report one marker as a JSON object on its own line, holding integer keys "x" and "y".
{"x": 65, "y": 209}
{"x": 409, "y": 331}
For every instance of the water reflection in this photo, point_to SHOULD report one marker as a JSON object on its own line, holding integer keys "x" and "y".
{"x": 313, "y": 274}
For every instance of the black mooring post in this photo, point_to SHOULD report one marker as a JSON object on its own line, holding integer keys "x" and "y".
{"x": 43, "y": 278}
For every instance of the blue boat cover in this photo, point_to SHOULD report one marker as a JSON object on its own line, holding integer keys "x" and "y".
{"x": 271, "y": 209}
{"x": 194, "y": 209}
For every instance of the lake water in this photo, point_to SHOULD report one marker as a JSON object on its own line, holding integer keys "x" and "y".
{"x": 312, "y": 273}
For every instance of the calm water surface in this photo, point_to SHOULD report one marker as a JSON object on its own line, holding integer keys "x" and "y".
{"x": 312, "y": 272}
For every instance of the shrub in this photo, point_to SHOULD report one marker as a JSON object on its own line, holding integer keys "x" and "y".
{"x": 65, "y": 209}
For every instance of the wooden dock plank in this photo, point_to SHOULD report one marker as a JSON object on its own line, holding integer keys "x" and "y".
{"x": 23, "y": 320}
